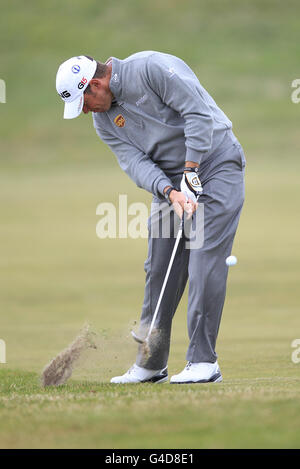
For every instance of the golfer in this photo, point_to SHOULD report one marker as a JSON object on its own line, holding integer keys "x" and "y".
{"x": 172, "y": 140}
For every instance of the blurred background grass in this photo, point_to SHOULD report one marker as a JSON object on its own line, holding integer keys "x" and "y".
{"x": 55, "y": 273}
{"x": 245, "y": 53}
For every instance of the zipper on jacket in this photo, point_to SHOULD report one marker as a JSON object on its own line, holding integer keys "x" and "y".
{"x": 130, "y": 114}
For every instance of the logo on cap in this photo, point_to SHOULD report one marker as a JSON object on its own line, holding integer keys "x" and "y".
{"x": 119, "y": 120}
{"x": 65, "y": 94}
{"x": 75, "y": 69}
{"x": 82, "y": 83}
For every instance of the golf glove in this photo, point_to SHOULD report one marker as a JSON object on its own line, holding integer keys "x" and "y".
{"x": 190, "y": 185}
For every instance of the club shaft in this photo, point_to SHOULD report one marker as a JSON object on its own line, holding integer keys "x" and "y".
{"x": 179, "y": 234}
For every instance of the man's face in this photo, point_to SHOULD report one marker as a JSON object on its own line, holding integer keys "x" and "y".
{"x": 98, "y": 99}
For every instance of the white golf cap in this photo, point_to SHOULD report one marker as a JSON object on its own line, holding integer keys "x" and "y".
{"x": 72, "y": 78}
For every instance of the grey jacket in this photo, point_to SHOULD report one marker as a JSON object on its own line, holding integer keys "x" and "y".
{"x": 161, "y": 117}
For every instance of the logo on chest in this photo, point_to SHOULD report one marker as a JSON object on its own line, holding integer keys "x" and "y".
{"x": 119, "y": 120}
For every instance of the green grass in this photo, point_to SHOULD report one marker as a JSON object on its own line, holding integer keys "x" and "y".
{"x": 56, "y": 274}
{"x": 241, "y": 413}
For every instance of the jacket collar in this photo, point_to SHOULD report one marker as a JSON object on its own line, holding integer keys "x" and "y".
{"x": 115, "y": 83}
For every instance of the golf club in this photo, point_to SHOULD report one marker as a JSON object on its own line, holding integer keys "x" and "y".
{"x": 146, "y": 339}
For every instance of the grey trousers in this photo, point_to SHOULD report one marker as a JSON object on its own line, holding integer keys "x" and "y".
{"x": 202, "y": 264}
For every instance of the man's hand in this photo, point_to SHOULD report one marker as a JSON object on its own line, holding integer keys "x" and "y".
{"x": 181, "y": 204}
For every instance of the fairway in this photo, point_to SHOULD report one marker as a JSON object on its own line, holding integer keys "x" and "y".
{"x": 241, "y": 413}
{"x": 57, "y": 274}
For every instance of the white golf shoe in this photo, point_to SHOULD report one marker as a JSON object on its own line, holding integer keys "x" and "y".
{"x": 198, "y": 373}
{"x": 137, "y": 374}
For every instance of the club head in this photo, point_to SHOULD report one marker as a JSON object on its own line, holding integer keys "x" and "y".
{"x": 137, "y": 338}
